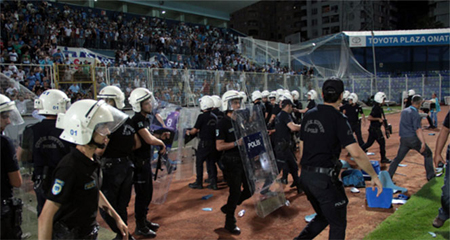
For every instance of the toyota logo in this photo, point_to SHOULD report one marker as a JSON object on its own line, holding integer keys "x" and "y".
{"x": 356, "y": 40}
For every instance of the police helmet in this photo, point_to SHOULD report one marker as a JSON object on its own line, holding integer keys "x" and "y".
{"x": 227, "y": 97}
{"x": 379, "y": 97}
{"x": 139, "y": 95}
{"x": 114, "y": 93}
{"x": 206, "y": 103}
{"x": 8, "y": 110}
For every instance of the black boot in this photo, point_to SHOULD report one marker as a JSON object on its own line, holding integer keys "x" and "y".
{"x": 143, "y": 230}
{"x": 213, "y": 185}
{"x": 151, "y": 225}
{"x": 196, "y": 185}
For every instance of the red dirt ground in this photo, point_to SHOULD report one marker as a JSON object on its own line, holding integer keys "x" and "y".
{"x": 181, "y": 216}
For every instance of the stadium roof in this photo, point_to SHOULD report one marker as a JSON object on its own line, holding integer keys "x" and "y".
{"x": 211, "y": 8}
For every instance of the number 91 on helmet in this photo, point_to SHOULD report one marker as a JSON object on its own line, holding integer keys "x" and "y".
{"x": 87, "y": 116}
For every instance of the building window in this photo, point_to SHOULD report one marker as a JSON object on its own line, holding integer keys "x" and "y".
{"x": 335, "y": 29}
{"x": 325, "y": 20}
{"x": 325, "y": 8}
{"x": 325, "y": 31}
{"x": 335, "y": 8}
{"x": 253, "y": 32}
{"x": 315, "y": 33}
{"x": 314, "y": 11}
{"x": 335, "y": 18}
{"x": 314, "y": 22}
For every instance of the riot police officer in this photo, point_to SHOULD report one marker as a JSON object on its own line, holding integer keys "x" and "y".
{"x": 217, "y": 106}
{"x": 407, "y": 101}
{"x": 324, "y": 131}
{"x": 227, "y": 142}
{"x": 71, "y": 207}
{"x": 312, "y": 96}
{"x": 284, "y": 145}
{"x": 376, "y": 118}
{"x": 117, "y": 166}
{"x": 298, "y": 105}
{"x": 11, "y": 208}
{"x": 143, "y": 103}
{"x": 345, "y": 97}
{"x": 206, "y": 150}
{"x": 352, "y": 110}
{"x": 46, "y": 148}
{"x": 257, "y": 102}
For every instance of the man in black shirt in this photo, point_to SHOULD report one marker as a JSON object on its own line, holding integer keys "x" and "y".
{"x": 407, "y": 100}
{"x": 297, "y": 107}
{"x": 206, "y": 151}
{"x": 236, "y": 178}
{"x": 352, "y": 110}
{"x": 46, "y": 148}
{"x": 10, "y": 174}
{"x": 376, "y": 121}
{"x": 284, "y": 145}
{"x": 143, "y": 103}
{"x": 117, "y": 166}
{"x": 324, "y": 131}
{"x": 258, "y": 104}
{"x": 71, "y": 207}
{"x": 312, "y": 96}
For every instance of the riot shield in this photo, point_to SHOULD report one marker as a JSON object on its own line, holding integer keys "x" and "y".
{"x": 164, "y": 165}
{"x": 258, "y": 160}
{"x": 186, "y": 145}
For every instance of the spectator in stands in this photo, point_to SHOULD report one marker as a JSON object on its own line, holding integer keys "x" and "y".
{"x": 74, "y": 88}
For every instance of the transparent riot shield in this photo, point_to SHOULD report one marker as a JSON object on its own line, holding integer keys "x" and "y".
{"x": 163, "y": 165}
{"x": 258, "y": 160}
{"x": 186, "y": 145}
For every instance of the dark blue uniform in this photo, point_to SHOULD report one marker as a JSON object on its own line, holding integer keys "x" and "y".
{"x": 47, "y": 151}
{"x": 117, "y": 169}
{"x": 375, "y": 132}
{"x": 143, "y": 182}
{"x": 284, "y": 147}
{"x": 9, "y": 222}
{"x": 206, "y": 150}
{"x": 76, "y": 184}
{"x": 234, "y": 169}
{"x": 324, "y": 131}
{"x": 352, "y": 112}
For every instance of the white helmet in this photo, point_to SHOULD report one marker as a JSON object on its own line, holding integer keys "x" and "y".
{"x": 295, "y": 94}
{"x": 346, "y": 94}
{"x": 227, "y": 97}
{"x": 274, "y": 94}
{"x": 139, "y": 95}
{"x": 279, "y": 92}
{"x": 353, "y": 97}
{"x": 256, "y": 95}
{"x": 217, "y": 101}
{"x": 114, "y": 93}
{"x": 287, "y": 97}
{"x": 8, "y": 110}
{"x": 244, "y": 96}
{"x": 86, "y": 116}
{"x": 411, "y": 92}
{"x": 313, "y": 94}
{"x": 52, "y": 102}
{"x": 265, "y": 93}
{"x": 379, "y": 97}
{"x": 206, "y": 103}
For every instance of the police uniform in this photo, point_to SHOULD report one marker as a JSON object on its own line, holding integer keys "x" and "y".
{"x": 235, "y": 172}
{"x": 143, "y": 182}
{"x": 10, "y": 207}
{"x": 260, "y": 106}
{"x": 284, "y": 147}
{"x": 375, "y": 132}
{"x": 117, "y": 169}
{"x": 323, "y": 131}
{"x": 297, "y": 115}
{"x": 352, "y": 112}
{"x": 218, "y": 113}
{"x": 206, "y": 151}
{"x": 311, "y": 104}
{"x": 76, "y": 187}
{"x": 47, "y": 151}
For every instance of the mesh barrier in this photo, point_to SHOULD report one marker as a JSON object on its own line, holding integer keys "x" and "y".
{"x": 167, "y": 85}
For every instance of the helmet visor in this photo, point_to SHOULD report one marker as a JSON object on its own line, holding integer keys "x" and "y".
{"x": 109, "y": 119}
{"x": 13, "y": 115}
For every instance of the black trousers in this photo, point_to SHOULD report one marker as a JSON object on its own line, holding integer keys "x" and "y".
{"x": 236, "y": 179}
{"x": 117, "y": 184}
{"x": 288, "y": 164}
{"x": 375, "y": 134}
{"x": 143, "y": 186}
{"x": 330, "y": 203}
{"x": 11, "y": 219}
{"x": 356, "y": 128}
{"x": 206, "y": 153}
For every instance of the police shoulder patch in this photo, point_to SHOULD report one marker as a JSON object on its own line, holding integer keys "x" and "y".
{"x": 57, "y": 186}
{"x": 217, "y": 132}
